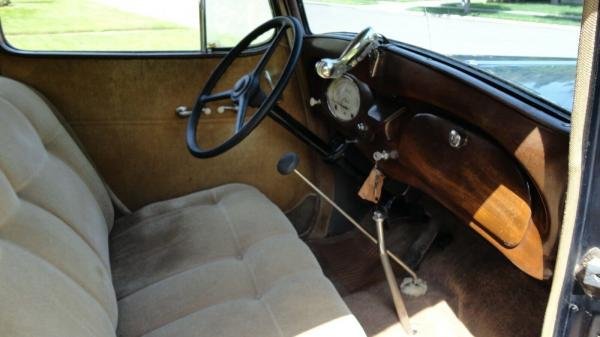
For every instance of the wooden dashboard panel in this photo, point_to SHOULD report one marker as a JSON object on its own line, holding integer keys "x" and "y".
{"x": 478, "y": 181}
{"x": 508, "y": 184}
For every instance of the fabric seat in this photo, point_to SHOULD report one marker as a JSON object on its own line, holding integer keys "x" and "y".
{"x": 221, "y": 262}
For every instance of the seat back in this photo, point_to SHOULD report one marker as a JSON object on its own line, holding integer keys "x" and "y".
{"x": 55, "y": 217}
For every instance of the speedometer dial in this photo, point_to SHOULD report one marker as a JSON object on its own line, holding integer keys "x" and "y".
{"x": 343, "y": 98}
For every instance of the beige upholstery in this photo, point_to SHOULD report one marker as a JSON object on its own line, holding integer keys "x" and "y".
{"x": 223, "y": 262}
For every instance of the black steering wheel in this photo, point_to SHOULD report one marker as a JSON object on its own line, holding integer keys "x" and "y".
{"x": 246, "y": 92}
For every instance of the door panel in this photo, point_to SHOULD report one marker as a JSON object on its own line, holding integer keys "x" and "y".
{"x": 122, "y": 110}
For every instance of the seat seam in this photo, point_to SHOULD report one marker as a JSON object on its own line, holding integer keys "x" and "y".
{"x": 258, "y": 294}
{"x": 279, "y": 281}
{"x": 52, "y": 135}
{"x": 272, "y": 316}
{"x": 164, "y": 213}
{"x": 277, "y": 284}
{"x": 193, "y": 269}
{"x": 64, "y": 222}
{"x": 26, "y": 181}
{"x": 107, "y": 270}
{"x": 19, "y": 191}
{"x": 144, "y": 221}
{"x": 33, "y": 175}
{"x": 84, "y": 181}
{"x": 96, "y": 202}
{"x": 51, "y": 138}
{"x": 64, "y": 274}
{"x": 218, "y": 259}
{"x": 37, "y": 132}
{"x": 198, "y": 311}
{"x": 229, "y": 224}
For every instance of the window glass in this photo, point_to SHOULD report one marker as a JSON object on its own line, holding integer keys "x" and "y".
{"x": 127, "y": 25}
{"x": 529, "y": 44}
{"x": 228, "y": 21}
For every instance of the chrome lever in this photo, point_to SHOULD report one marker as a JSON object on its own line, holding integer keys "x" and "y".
{"x": 221, "y": 109}
{"x": 185, "y": 112}
{"x": 360, "y": 47}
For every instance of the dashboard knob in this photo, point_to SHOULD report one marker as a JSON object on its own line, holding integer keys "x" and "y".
{"x": 456, "y": 140}
{"x": 362, "y": 127}
{"x": 384, "y": 155}
{"x": 313, "y": 101}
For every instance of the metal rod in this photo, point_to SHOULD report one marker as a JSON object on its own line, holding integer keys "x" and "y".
{"x": 202, "y": 22}
{"x": 357, "y": 225}
{"x": 389, "y": 275}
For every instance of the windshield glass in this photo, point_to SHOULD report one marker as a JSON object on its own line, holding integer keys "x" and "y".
{"x": 529, "y": 44}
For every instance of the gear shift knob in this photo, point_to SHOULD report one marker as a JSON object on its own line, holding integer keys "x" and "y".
{"x": 288, "y": 163}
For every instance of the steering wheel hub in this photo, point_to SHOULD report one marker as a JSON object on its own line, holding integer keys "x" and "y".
{"x": 241, "y": 86}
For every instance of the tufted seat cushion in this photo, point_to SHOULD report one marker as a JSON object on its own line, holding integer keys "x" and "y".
{"x": 218, "y": 263}
{"x": 222, "y": 262}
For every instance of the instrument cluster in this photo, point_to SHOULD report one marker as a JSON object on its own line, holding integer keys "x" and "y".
{"x": 343, "y": 98}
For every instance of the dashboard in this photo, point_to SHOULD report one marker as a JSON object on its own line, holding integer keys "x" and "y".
{"x": 493, "y": 163}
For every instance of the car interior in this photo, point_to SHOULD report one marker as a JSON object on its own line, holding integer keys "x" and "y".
{"x": 244, "y": 191}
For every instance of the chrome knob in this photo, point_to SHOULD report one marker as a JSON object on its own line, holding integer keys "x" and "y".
{"x": 183, "y": 111}
{"x": 314, "y": 102}
{"x": 224, "y": 108}
{"x": 384, "y": 155}
{"x": 456, "y": 140}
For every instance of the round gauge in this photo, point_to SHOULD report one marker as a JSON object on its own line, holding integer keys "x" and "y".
{"x": 343, "y": 98}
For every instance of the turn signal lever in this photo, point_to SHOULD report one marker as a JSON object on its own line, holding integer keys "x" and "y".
{"x": 412, "y": 285}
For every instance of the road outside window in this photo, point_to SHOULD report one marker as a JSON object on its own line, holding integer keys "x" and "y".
{"x": 530, "y": 44}
{"x": 127, "y": 25}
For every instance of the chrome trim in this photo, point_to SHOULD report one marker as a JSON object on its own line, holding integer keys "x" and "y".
{"x": 362, "y": 45}
{"x": 202, "y": 22}
{"x": 183, "y": 111}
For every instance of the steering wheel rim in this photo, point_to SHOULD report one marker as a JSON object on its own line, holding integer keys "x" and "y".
{"x": 246, "y": 91}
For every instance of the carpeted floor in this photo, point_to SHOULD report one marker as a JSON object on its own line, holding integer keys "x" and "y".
{"x": 473, "y": 289}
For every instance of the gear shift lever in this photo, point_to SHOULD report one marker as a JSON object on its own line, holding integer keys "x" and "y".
{"x": 412, "y": 286}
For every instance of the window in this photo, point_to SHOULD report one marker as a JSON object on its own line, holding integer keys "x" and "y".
{"x": 127, "y": 25}
{"x": 529, "y": 44}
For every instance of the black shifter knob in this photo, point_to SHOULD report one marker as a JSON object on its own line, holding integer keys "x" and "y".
{"x": 288, "y": 163}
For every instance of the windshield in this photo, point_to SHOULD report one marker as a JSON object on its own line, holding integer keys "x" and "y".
{"x": 531, "y": 45}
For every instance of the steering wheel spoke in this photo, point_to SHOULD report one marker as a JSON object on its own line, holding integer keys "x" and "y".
{"x": 216, "y": 97}
{"x": 267, "y": 55}
{"x": 240, "y": 119}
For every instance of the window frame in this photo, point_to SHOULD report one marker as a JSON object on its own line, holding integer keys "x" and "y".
{"x": 219, "y": 52}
